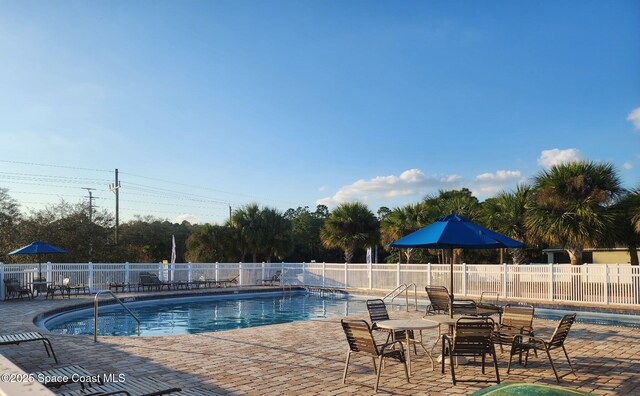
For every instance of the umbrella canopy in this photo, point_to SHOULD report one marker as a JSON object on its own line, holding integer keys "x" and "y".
{"x": 455, "y": 232}
{"x": 38, "y": 247}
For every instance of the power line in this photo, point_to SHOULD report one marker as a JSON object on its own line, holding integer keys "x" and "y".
{"x": 54, "y": 166}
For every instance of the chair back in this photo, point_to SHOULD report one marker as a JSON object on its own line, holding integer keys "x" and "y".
{"x": 472, "y": 336}
{"x": 65, "y": 282}
{"x": 12, "y": 285}
{"x": 276, "y": 276}
{"x": 439, "y": 298}
{"x": 488, "y": 297}
{"x": 359, "y": 336}
{"x": 377, "y": 310}
{"x": 562, "y": 331}
{"x": 145, "y": 278}
{"x": 518, "y": 317}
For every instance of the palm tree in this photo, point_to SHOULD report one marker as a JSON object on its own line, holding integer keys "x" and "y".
{"x": 402, "y": 221}
{"x": 275, "y": 233}
{"x": 246, "y": 221}
{"x": 569, "y": 205}
{"x": 349, "y": 227}
{"x": 627, "y": 223}
{"x": 506, "y": 214}
{"x": 209, "y": 243}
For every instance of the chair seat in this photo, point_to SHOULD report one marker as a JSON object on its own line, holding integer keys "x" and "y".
{"x": 59, "y": 376}
{"x": 134, "y": 386}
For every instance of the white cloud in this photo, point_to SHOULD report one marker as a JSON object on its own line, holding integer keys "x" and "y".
{"x": 634, "y": 117}
{"x": 627, "y": 165}
{"x": 408, "y": 183}
{"x": 549, "y": 158}
{"x": 193, "y": 219}
{"x": 489, "y": 184}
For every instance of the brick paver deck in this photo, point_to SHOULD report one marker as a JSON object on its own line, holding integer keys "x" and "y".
{"x": 308, "y": 358}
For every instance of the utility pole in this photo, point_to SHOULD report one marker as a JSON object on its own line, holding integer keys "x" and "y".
{"x": 90, "y": 222}
{"x": 229, "y": 212}
{"x": 116, "y": 189}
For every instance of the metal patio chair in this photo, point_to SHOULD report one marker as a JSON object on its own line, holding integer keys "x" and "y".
{"x": 361, "y": 340}
{"x": 523, "y": 343}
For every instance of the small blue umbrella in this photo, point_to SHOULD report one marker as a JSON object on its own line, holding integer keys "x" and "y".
{"x": 455, "y": 232}
{"x": 38, "y": 247}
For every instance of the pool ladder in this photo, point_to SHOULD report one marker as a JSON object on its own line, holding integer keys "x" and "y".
{"x": 404, "y": 288}
{"x": 95, "y": 312}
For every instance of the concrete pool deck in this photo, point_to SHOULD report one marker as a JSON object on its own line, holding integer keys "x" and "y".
{"x": 308, "y": 358}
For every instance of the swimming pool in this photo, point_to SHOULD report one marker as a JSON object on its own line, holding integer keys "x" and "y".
{"x": 192, "y": 315}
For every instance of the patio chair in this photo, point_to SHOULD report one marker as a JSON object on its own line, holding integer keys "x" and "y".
{"x": 14, "y": 288}
{"x": 132, "y": 387}
{"x": 275, "y": 278}
{"x": 377, "y": 312}
{"x": 488, "y": 305}
{"x": 471, "y": 337}
{"x": 18, "y": 338}
{"x": 516, "y": 320}
{"x": 523, "y": 343}
{"x": 361, "y": 340}
{"x": 440, "y": 301}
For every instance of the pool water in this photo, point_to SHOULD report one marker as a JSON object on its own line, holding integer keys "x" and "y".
{"x": 218, "y": 313}
{"x": 212, "y": 313}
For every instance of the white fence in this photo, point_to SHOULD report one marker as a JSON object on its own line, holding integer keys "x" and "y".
{"x": 594, "y": 283}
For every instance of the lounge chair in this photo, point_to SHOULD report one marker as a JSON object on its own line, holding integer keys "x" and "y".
{"x": 377, "y": 312}
{"x": 68, "y": 287}
{"x": 14, "y": 288}
{"x": 228, "y": 281}
{"x": 361, "y": 340}
{"x": 471, "y": 337}
{"x": 516, "y": 320}
{"x": 18, "y": 338}
{"x": 275, "y": 278}
{"x": 151, "y": 281}
{"x": 132, "y": 387}
{"x": 523, "y": 343}
{"x": 440, "y": 301}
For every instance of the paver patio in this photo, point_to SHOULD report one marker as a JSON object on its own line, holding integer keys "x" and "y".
{"x": 308, "y": 358}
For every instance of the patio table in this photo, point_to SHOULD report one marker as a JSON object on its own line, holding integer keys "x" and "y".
{"x": 410, "y": 324}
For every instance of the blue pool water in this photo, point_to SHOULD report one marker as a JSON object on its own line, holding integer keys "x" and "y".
{"x": 218, "y": 313}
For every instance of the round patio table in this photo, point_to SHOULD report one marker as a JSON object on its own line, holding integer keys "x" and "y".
{"x": 410, "y": 324}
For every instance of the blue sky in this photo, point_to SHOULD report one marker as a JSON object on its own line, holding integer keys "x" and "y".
{"x": 202, "y": 105}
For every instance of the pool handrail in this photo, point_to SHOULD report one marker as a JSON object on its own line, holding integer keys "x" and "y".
{"x": 404, "y": 288}
{"x": 95, "y": 312}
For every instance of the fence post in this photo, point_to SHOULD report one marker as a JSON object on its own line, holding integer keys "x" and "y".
{"x": 240, "y": 273}
{"x": 606, "y": 284}
{"x": 370, "y": 276}
{"x": 304, "y": 273}
{"x": 127, "y": 275}
{"x": 552, "y": 279}
{"x": 346, "y": 276}
{"x": 262, "y": 276}
{"x": 505, "y": 280}
{"x": 49, "y": 274}
{"x": 324, "y": 274}
{"x": 2, "y": 286}
{"x": 90, "y": 276}
{"x": 217, "y": 269}
{"x": 190, "y": 273}
{"x": 398, "y": 274}
{"x": 464, "y": 279}
{"x": 428, "y": 274}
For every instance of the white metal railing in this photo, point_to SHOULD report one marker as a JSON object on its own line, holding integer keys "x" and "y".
{"x": 593, "y": 283}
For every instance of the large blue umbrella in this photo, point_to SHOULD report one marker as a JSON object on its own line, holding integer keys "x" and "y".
{"x": 455, "y": 232}
{"x": 38, "y": 247}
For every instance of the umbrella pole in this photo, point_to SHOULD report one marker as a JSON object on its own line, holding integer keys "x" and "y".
{"x": 451, "y": 284}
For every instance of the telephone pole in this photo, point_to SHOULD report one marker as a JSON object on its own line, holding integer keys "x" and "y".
{"x": 115, "y": 188}
{"x": 90, "y": 222}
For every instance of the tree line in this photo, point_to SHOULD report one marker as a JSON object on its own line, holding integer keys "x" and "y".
{"x": 572, "y": 206}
